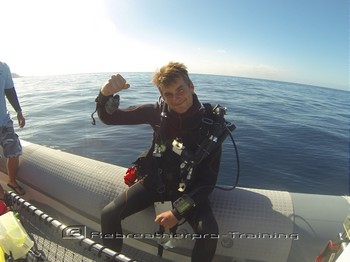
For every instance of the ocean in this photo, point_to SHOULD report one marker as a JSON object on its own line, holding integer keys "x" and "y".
{"x": 289, "y": 136}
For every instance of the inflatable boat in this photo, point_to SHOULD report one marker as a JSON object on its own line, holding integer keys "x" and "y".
{"x": 255, "y": 224}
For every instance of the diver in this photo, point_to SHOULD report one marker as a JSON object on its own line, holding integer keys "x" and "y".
{"x": 182, "y": 164}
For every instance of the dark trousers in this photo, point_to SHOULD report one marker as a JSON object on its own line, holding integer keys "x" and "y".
{"x": 137, "y": 198}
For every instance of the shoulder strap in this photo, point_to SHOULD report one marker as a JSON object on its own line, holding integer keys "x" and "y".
{"x": 208, "y": 110}
{"x": 207, "y": 119}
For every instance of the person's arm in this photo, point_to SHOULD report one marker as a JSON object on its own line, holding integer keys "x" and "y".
{"x": 11, "y": 95}
{"x": 134, "y": 115}
{"x": 108, "y": 106}
{"x": 10, "y": 90}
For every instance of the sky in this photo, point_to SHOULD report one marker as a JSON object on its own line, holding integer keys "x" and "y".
{"x": 300, "y": 41}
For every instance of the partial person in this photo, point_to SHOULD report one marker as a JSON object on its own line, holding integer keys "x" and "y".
{"x": 9, "y": 140}
{"x": 175, "y": 168}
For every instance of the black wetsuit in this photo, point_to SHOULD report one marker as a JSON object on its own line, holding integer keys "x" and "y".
{"x": 186, "y": 127}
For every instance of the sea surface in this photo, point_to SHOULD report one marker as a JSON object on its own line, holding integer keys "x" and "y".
{"x": 289, "y": 136}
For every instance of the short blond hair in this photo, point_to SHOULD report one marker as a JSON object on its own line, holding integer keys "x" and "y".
{"x": 169, "y": 73}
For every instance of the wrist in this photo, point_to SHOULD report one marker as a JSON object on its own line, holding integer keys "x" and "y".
{"x": 183, "y": 205}
{"x": 176, "y": 214}
{"x": 104, "y": 92}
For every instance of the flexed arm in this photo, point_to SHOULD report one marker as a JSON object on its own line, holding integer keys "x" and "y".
{"x": 107, "y": 106}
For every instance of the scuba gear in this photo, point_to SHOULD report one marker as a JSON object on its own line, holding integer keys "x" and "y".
{"x": 159, "y": 149}
{"x": 138, "y": 171}
{"x": 111, "y": 104}
{"x": 183, "y": 204}
{"x": 130, "y": 176}
{"x": 215, "y": 130}
{"x": 220, "y": 130}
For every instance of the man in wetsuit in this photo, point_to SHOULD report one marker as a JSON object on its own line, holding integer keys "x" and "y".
{"x": 8, "y": 138}
{"x": 176, "y": 117}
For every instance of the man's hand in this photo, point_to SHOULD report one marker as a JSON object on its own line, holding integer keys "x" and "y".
{"x": 166, "y": 219}
{"x": 21, "y": 120}
{"x": 114, "y": 85}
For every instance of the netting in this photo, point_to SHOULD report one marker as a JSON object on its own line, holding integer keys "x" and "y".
{"x": 54, "y": 241}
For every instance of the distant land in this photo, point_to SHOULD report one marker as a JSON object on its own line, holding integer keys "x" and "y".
{"x": 14, "y": 75}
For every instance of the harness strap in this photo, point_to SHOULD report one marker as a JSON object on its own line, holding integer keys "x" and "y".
{"x": 160, "y": 246}
{"x": 217, "y": 131}
{"x": 158, "y": 151}
{"x": 207, "y": 119}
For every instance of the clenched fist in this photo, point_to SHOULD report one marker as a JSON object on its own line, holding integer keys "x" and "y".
{"x": 114, "y": 85}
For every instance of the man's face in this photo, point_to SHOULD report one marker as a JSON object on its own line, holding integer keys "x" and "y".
{"x": 178, "y": 95}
